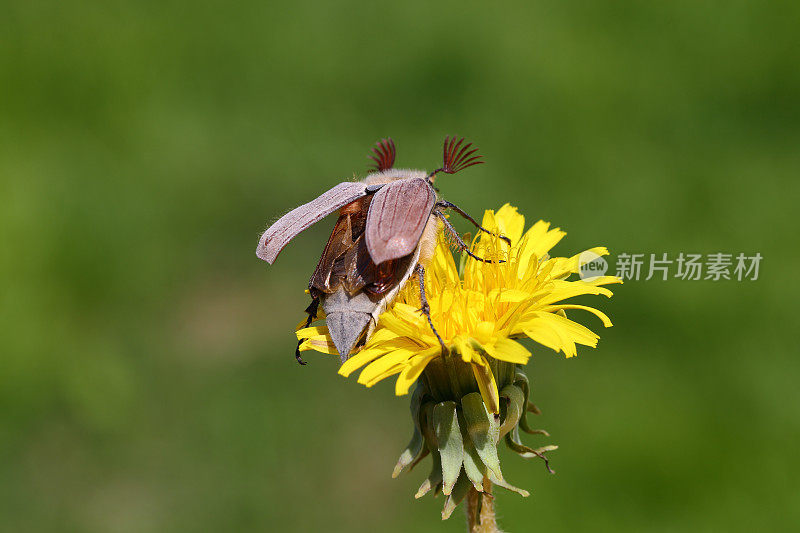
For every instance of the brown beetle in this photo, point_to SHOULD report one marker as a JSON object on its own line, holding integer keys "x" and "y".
{"x": 386, "y": 232}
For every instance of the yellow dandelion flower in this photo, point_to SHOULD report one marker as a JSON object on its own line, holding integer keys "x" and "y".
{"x": 474, "y": 393}
{"x": 480, "y": 310}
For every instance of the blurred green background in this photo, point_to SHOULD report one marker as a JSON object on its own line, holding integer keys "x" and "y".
{"x": 147, "y": 381}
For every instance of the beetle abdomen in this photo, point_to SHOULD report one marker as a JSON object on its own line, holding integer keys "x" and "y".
{"x": 347, "y": 318}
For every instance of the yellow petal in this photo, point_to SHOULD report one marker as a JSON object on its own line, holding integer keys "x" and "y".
{"x": 604, "y": 280}
{"x": 565, "y": 266}
{"x": 574, "y": 331}
{"x": 399, "y": 326}
{"x": 360, "y": 359}
{"x": 386, "y": 362}
{"x": 541, "y": 239}
{"x": 442, "y": 270}
{"x": 409, "y": 314}
{"x": 382, "y": 335}
{"x": 567, "y": 331}
{"x": 320, "y": 344}
{"x": 489, "y": 221}
{"x": 510, "y": 223}
{"x": 508, "y": 350}
{"x": 484, "y": 331}
{"x": 487, "y": 385}
{"x": 509, "y": 295}
{"x": 396, "y": 369}
{"x": 544, "y": 335}
{"x": 413, "y": 370}
{"x": 561, "y": 290}
{"x": 602, "y": 316}
{"x": 464, "y": 347}
{"x": 314, "y": 331}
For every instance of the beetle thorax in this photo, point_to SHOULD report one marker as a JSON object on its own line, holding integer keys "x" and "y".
{"x": 393, "y": 174}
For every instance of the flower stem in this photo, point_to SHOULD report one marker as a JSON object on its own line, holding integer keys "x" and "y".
{"x": 480, "y": 510}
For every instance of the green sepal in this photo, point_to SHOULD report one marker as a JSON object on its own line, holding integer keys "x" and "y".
{"x": 483, "y": 429}
{"x": 513, "y": 408}
{"x": 533, "y": 409}
{"x": 515, "y": 438}
{"x": 415, "y": 448}
{"x": 515, "y": 444}
{"x": 521, "y": 381}
{"x": 425, "y": 414}
{"x": 449, "y": 442}
{"x": 523, "y": 424}
{"x": 434, "y": 479}
{"x": 473, "y": 466}
{"x": 420, "y": 457}
{"x": 501, "y": 482}
{"x": 435, "y": 476}
{"x": 454, "y": 498}
{"x": 426, "y": 425}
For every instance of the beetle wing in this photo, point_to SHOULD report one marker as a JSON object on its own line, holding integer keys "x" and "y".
{"x": 325, "y": 277}
{"x": 397, "y": 216}
{"x": 292, "y": 223}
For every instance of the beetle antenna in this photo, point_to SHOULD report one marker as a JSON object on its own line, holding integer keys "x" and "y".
{"x": 456, "y": 157}
{"x": 384, "y": 155}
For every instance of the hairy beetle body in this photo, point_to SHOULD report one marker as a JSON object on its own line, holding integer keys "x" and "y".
{"x": 386, "y": 232}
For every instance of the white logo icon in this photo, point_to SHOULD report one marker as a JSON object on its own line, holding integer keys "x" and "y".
{"x": 592, "y": 266}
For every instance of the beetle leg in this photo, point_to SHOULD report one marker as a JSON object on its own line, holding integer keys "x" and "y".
{"x": 426, "y": 308}
{"x": 461, "y": 244}
{"x": 312, "y": 314}
{"x": 449, "y": 205}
